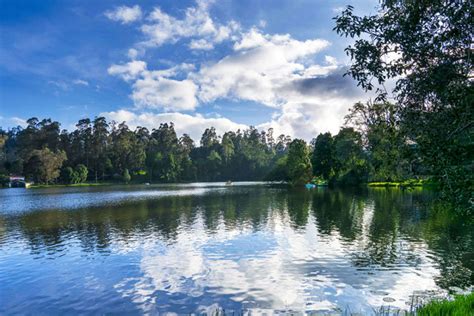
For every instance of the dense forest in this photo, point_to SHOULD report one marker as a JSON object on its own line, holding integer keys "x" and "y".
{"x": 99, "y": 151}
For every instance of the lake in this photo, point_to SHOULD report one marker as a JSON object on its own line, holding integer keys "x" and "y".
{"x": 250, "y": 247}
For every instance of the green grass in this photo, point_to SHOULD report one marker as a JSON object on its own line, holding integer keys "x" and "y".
{"x": 38, "y": 186}
{"x": 319, "y": 182}
{"x": 405, "y": 183}
{"x": 462, "y": 305}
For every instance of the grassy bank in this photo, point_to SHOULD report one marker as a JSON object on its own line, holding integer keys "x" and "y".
{"x": 402, "y": 184}
{"x": 39, "y": 186}
{"x": 461, "y": 305}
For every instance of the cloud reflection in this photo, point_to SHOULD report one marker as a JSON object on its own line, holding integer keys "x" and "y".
{"x": 292, "y": 269}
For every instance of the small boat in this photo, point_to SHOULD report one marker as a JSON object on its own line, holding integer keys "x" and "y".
{"x": 147, "y": 183}
{"x": 310, "y": 186}
{"x": 228, "y": 183}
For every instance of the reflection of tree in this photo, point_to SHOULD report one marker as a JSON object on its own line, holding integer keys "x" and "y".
{"x": 97, "y": 227}
{"x": 452, "y": 238}
{"x": 403, "y": 221}
{"x": 240, "y": 207}
{"x": 298, "y": 208}
{"x": 3, "y": 231}
{"x": 386, "y": 240}
{"x": 338, "y": 211}
{"x": 94, "y": 226}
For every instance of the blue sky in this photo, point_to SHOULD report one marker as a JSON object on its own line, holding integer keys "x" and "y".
{"x": 229, "y": 64}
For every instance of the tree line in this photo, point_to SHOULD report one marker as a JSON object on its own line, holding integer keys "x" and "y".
{"x": 99, "y": 151}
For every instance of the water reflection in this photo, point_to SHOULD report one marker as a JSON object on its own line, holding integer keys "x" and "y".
{"x": 197, "y": 248}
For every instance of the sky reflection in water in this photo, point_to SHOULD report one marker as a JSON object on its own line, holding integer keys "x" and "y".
{"x": 201, "y": 247}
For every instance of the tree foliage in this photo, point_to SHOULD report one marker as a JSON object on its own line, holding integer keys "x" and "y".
{"x": 322, "y": 157}
{"x": 425, "y": 47}
{"x": 298, "y": 163}
{"x": 81, "y": 173}
{"x": 98, "y": 150}
{"x": 43, "y": 165}
{"x": 391, "y": 158}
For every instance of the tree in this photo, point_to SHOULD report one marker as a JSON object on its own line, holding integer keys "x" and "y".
{"x": 81, "y": 172}
{"x": 279, "y": 171}
{"x": 84, "y": 140}
{"x": 3, "y": 156}
{"x": 227, "y": 147}
{"x": 126, "y": 176}
{"x": 282, "y": 143}
{"x": 188, "y": 170}
{"x": 350, "y": 163}
{"x": 43, "y": 165}
{"x": 378, "y": 124}
{"x": 99, "y": 146}
{"x": 426, "y": 47}
{"x": 209, "y": 138}
{"x": 67, "y": 175}
{"x": 37, "y": 135}
{"x": 322, "y": 158}
{"x": 298, "y": 163}
{"x": 163, "y": 154}
{"x": 214, "y": 162}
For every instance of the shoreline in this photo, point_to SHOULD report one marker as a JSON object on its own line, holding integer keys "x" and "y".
{"x": 412, "y": 183}
{"x": 42, "y": 186}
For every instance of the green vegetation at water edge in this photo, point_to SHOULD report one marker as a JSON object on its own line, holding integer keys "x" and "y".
{"x": 462, "y": 305}
{"x": 405, "y": 183}
{"x": 85, "y": 184}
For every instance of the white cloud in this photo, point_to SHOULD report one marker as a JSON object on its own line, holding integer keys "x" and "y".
{"x": 154, "y": 89}
{"x": 307, "y": 120}
{"x": 65, "y": 85}
{"x": 194, "y": 125}
{"x": 275, "y": 70}
{"x": 6, "y": 122}
{"x": 124, "y": 14}
{"x": 201, "y": 44}
{"x": 129, "y": 71}
{"x": 260, "y": 68}
{"x": 197, "y": 23}
{"x": 168, "y": 94}
{"x": 322, "y": 70}
{"x": 81, "y": 82}
{"x": 59, "y": 84}
{"x": 132, "y": 53}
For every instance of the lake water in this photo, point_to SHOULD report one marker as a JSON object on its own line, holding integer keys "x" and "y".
{"x": 205, "y": 247}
